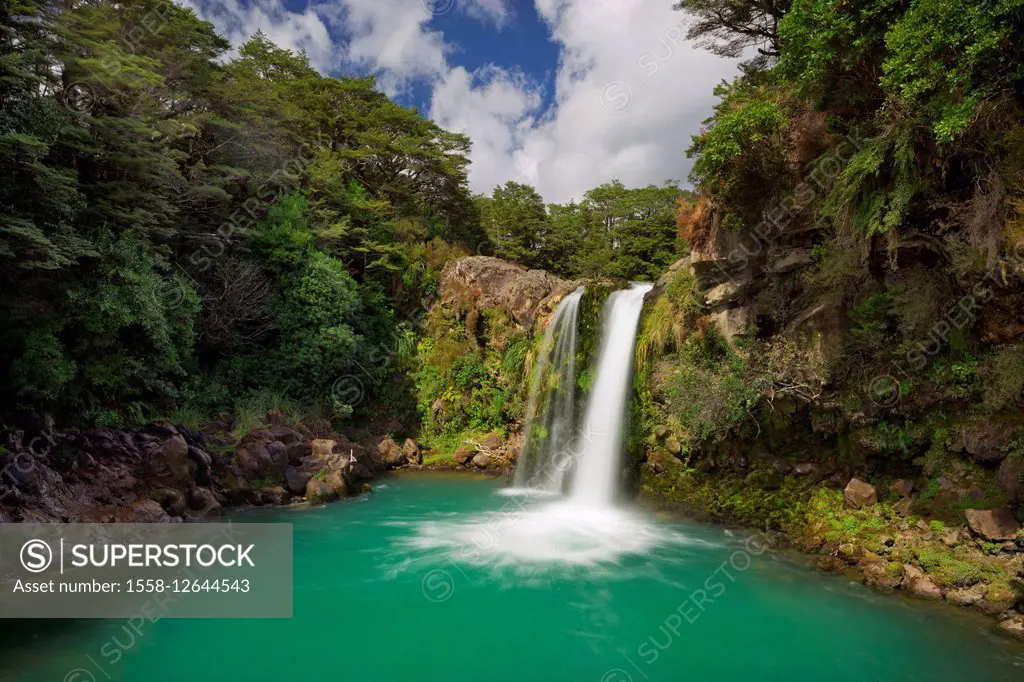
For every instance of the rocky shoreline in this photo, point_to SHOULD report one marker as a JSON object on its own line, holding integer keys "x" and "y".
{"x": 167, "y": 473}
{"x": 861, "y": 531}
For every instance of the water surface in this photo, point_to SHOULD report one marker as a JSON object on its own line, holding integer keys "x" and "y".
{"x": 428, "y": 579}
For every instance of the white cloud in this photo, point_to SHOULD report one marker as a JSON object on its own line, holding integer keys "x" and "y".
{"x": 293, "y": 30}
{"x": 628, "y": 93}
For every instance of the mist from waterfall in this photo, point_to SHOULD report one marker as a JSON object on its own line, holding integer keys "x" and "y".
{"x": 604, "y": 423}
{"x": 548, "y": 435}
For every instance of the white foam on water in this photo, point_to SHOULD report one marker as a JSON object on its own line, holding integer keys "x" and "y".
{"x": 555, "y": 534}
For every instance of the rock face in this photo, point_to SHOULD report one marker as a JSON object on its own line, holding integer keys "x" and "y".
{"x": 859, "y": 493}
{"x": 319, "y": 491}
{"x": 485, "y": 282}
{"x": 163, "y": 472}
{"x": 1011, "y": 478}
{"x": 984, "y": 441}
{"x": 992, "y": 524}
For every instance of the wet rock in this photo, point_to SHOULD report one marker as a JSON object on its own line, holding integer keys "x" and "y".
{"x": 296, "y": 480}
{"x": 1014, "y": 627}
{"x": 901, "y": 487}
{"x": 481, "y": 460}
{"x": 167, "y": 464}
{"x": 829, "y": 564}
{"x": 365, "y": 488}
{"x": 319, "y": 491}
{"x": 992, "y": 524}
{"x": 859, "y": 493}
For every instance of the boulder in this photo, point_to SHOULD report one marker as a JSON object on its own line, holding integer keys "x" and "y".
{"x": 805, "y": 469}
{"x": 322, "y": 447}
{"x": 147, "y": 511}
{"x": 296, "y": 480}
{"x": 237, "y": 488}
{"x": 492, "y": 441}
{"x": 481, "y": 461}
{"x": 1014, "y": 627}
{"x": 673, "y": 446}
{"x": 298, "y": 449}
{"x": 278, "y": 458}
{"x": 412, "y": 451}
{"x": 483, "y": 282}
{"x": 274, "y": 495}
{"x": 859, "y": 493}
{"x": 171, "y": 500}
{"x": 1011, "y": 478}
{"x": 286, "y": 434}
{"x": 984, "y": 441}
{"x": 391, "y": 453}
{"x": 881, "y": 575}
{"x": 336, "y": 479}
{"x": 850, "y": 553}
{"x": 167, "y": 464}
{"x": 726, "y": 292}
{"x": 917, "y": 585}
{"x": 965, "y": 596}
{"x": 992, "y": 524}
{"x": 318, "y": 490}
{"x": 202, "y": 501}
{"x": 463, "y": 453}
{"x": 829, "y": 564}
{"x": 365, "y": 488}
{"x": 901, "y": 487}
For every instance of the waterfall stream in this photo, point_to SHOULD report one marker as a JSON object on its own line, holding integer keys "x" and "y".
{"x": 553, "y": 391}
{"x": 603, "y": 430}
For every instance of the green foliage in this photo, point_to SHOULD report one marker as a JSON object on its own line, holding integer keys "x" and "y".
{"x": 708, "y": 391}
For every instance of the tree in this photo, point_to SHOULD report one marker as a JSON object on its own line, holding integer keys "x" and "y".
{"x": 517, "y": 223}
{"x": 729, "y": 28}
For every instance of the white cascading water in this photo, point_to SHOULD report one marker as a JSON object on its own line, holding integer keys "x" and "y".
{"x": 585, "y": 529}
{"x": 603, "y": 429}
{"x": 554, "y": 384}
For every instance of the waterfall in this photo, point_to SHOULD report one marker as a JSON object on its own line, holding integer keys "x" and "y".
{"x": 603, "y": 430}
{"x": 546, "y": 447}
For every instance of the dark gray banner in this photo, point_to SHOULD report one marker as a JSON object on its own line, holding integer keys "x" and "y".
{"x": 146, "y": 570}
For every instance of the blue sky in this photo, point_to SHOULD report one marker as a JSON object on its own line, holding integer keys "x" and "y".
{"x": 561, "y": 94}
